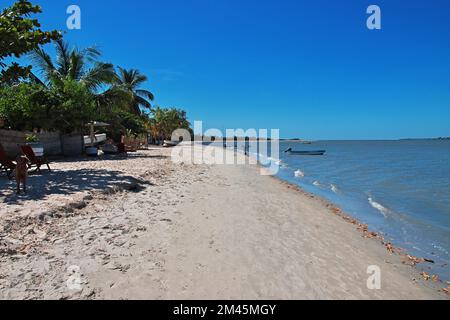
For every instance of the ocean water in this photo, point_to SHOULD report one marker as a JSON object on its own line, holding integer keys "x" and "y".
{"x": 401, "y": 189}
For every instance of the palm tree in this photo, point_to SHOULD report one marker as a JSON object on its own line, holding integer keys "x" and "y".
{"x": 73, "y": 64}
{"x": 81, "y": 66}
{"x": 130, "y": 81}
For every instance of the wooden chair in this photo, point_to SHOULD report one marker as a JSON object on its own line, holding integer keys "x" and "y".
{"x": 34, "y": 160}
{"x": 5, "y": 162}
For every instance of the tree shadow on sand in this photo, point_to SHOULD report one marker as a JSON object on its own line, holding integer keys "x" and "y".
{"x": 113, "y": 157}
{"x": 67, "y": 182}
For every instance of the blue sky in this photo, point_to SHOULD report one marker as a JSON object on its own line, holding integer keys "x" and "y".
{"x": 310, "y": 68}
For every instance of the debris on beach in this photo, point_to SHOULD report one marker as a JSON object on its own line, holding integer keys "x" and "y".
{"x": 425, "y": 276}
{"x": 412, "y": 260}
{"x": 366, "y": 233}
{"x": 428, "y": 277}
{"x": 390, "y": 247}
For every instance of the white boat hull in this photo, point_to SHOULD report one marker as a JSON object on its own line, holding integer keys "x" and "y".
{"x": 98, "y": 139}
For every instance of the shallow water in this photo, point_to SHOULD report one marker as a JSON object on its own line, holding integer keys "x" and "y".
{"x": 399, "y": 188}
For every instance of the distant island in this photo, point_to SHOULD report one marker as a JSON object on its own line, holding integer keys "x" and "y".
{"x": 438, "y": 138}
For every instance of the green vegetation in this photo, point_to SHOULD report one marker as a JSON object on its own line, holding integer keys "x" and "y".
{"x": 130, "y": 80}
{"x": 31, "y": 138}
{"x": 63, "y": 108}
{"x": 18, "y": 35}
{"x": 64, "y": 92}
{"x": 165, "y": 121}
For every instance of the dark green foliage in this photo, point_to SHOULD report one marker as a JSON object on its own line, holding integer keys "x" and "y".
{"x": 123, "y": 121}
{"x": 29, "y": 106}
{"x": 18, "y": 35}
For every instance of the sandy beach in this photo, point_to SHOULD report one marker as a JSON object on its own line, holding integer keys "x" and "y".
{"x": 143, "y": 227}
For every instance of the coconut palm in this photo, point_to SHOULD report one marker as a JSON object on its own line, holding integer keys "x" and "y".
{"x": 83, "y": 67}
{"x": 130, "y": 81}
{"x": 73, "y": 64}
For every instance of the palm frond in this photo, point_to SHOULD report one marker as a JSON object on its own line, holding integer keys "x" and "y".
{"x": 142, "y": 102}
{"x": 145, "y": 94}
{"x": 113, "y": 97}
{"x": 43, "y": 62}
{"x": 132, "y": 78}
{"x": 62, "y": 57}
{"x": 91, "y": 54}
{"x": 135, "y": 108}
{"x": 77, "y": 66}
{"x": 35, "y": 79}
{"x": 101, "y": 73}
{"x": 138, "y": 79}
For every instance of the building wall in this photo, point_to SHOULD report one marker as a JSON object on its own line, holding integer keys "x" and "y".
{"x": 54, "y": 143}
{"x": 72, "y": 144}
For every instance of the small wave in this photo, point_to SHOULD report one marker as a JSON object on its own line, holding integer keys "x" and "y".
{"x": 317, "y": 183}
{"x": 275, "y": 160}
{"x": 263, "y": 159}
{"x": 299, "y": 174}
{"x": 334, "y": 188}
{"x": 281, "y": 164}
{"x": 278, "y": 162}
{"x": 439, "y": 248}
{"x": 270, "y": 160}
{"x": 378, "y": 206}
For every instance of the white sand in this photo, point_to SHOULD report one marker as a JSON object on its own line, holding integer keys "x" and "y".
{"x": 185, "y": 232}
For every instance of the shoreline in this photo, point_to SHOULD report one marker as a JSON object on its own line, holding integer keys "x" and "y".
{"x": 407, "y": 258}
{"x": 364, "y": 229}
{"x": 193, "y": 232}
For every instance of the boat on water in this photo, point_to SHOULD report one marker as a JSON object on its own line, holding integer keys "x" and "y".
{"x": 306, "y": 153}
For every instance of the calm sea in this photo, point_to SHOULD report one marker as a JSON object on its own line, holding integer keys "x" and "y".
{"x": 399, "y": 188}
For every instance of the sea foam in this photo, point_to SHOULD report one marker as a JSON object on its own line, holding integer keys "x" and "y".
{"x": 384, "y": 211}
{"x": 299, "y": 174}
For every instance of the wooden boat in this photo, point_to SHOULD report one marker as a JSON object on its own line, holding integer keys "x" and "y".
{"x": 306, "y": 153}
{"x": 170, "y": 144}
{"x": 98, "y": 138}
